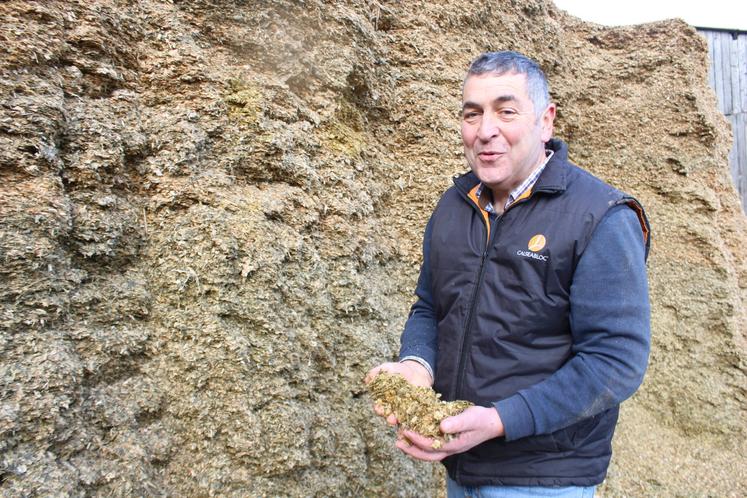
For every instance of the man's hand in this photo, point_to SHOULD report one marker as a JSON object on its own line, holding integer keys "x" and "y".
{"x": 412, "y": 371}
{"x": 470, "y": 428}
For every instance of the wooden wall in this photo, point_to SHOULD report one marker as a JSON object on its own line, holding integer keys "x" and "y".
{"x": 727, "y": 76}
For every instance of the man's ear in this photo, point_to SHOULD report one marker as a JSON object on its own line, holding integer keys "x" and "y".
{"x": 547, "y": 122}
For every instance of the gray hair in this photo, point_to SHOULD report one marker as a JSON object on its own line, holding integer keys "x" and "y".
{"x": 513, "y": 62}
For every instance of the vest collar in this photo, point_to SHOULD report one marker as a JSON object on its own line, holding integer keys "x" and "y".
{"x": 553, "y": 178}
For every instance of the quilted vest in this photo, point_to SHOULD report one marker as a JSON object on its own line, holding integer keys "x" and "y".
{"x": 502, "y": 307}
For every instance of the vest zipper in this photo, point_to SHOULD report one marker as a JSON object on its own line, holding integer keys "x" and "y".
{"x": 465, "y": 345}
{"x": 464, "y": 349}
{"x": 463, "y": 352}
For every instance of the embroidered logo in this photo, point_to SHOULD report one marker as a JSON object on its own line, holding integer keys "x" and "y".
{"x": 536, "y": 243}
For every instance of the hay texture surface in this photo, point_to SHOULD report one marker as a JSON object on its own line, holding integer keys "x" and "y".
{"x": 417, "y": 408}
{"x": 211, "y": 220}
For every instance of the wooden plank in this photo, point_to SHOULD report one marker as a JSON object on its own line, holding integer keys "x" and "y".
{"x": 734, "y": 151}
{"x": 738, "y": 156}
{"x": 725, "y": 71}
{"x": 742, "y": 62}
{"x": 734, "y": 75}
{"x": 718, "y": 87}
{"x": 742, "y": 158}
{"x": 709, "y": 38}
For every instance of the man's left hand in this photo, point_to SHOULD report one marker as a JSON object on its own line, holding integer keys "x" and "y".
{"x": 468, "y": 429}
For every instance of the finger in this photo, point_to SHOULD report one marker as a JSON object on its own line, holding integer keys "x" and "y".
{"x": 379, "y": 410}
{"x": 391, "y": 418}
{"x": 419, "y": 453}
{"x": 452, "y": 425}
{"x": 456, "y": 444}
{"x": 418, "y": 440}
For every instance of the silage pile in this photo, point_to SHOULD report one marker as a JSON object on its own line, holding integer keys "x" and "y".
{"x": 210, "y": 219}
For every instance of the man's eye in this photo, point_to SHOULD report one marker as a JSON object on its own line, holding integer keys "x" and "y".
{"x": 470, "y": 115}
{"x": 507, "y": 114}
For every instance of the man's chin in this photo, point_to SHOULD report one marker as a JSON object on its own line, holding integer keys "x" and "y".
{"x": 489, "y": 180}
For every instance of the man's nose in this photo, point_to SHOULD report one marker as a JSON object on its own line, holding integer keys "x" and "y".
{"x": 489, "y": 128}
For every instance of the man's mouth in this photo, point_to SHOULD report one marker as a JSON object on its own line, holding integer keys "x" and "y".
{"x": 488, "y": 155}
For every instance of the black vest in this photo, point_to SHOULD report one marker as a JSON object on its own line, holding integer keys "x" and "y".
{"x": 498, "y": 303}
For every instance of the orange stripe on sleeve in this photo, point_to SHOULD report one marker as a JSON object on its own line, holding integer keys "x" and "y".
{"x": 639, "y": 212}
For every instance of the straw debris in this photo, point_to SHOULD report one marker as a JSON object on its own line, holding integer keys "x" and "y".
{"x": 211, "y": 217}
{"x": 417, "y": 408}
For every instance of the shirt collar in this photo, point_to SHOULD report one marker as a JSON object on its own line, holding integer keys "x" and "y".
{"x": 520, "y": 189}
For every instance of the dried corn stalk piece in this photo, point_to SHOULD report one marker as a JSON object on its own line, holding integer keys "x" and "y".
{"x": 417, "y": 408}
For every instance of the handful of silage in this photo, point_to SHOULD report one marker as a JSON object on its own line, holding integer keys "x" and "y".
{"x": 417, "y": 408}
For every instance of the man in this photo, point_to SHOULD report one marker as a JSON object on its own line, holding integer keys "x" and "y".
{"x": 532, "y": 301}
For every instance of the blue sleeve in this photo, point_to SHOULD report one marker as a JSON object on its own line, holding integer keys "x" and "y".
{"x": 609, "y": 318}
{"x": 420, "y": 338}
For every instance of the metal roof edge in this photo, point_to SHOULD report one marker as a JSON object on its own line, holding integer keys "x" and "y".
{"x": 733, "y": 31}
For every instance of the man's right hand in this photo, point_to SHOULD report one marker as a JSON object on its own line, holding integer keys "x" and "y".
{"x": 412, "y": 371}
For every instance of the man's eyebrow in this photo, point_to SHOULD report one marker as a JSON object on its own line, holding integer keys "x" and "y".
{"x": 505, "y": 98}
{"x": 498, "y": 100}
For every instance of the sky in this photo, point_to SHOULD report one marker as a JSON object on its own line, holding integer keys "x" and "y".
{"x": 726, "y": 14}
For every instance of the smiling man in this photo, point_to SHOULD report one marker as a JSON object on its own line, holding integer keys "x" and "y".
{"x": 532, "y": 301}
{"x": 504, "y": 135}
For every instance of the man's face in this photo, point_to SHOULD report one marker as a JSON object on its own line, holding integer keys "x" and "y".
{"x": 503, "y": 138}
